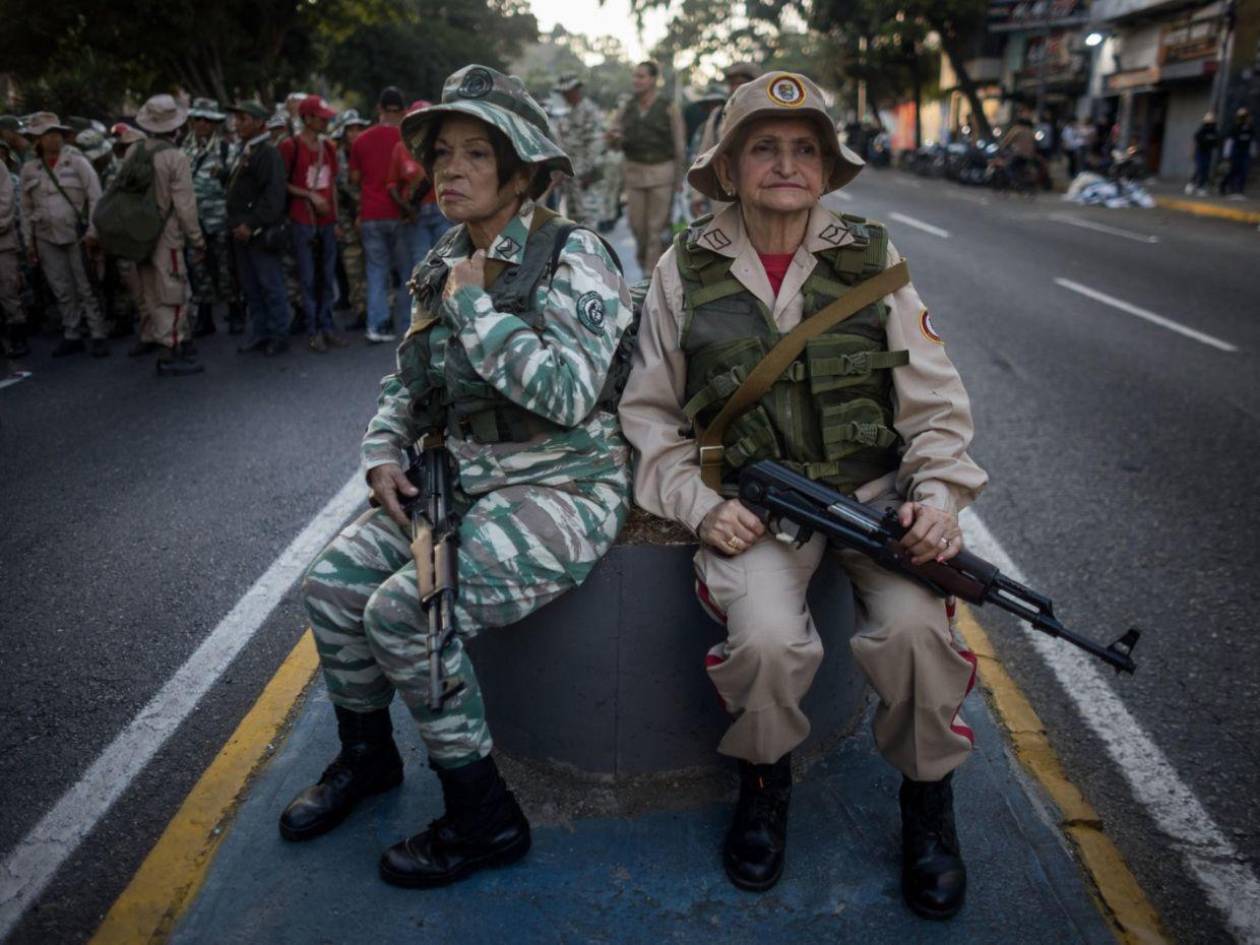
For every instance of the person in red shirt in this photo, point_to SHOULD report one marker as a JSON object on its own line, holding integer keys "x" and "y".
{"x": 385, "y": 248}
{"x": 310, "y": 160}
{"x": 410, "y": 188}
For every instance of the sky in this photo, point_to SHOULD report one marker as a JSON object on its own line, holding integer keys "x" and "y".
{"x": 611, "y": 18}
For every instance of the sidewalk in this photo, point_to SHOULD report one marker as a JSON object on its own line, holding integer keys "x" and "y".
{"x": 648, "y": 877}
{"x": 1172, "y": 196}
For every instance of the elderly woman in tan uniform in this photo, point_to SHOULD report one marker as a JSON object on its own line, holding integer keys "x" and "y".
{"x": 872, "y": 407}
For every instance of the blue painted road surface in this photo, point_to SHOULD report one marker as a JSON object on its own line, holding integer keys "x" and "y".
{"x": 651, "y": 878}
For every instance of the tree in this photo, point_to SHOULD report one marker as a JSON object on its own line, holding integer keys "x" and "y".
{"x": 601, "y": 61}
{"x": 429, "y": 41}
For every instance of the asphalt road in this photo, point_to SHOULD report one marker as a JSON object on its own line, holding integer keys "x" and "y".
{"x": 135, "y": 511}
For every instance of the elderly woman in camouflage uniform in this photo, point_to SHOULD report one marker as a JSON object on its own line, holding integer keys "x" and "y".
{"x": 872, "y": 406}
{"x": 516, "y": 321}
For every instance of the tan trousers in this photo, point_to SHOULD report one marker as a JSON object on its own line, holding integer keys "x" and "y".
{"x": 904, "y": 645}
{"x": 164, "y": 295}
{"x": 11, "y": 311}
{"x": 63, "y": 267}
{"x": 649, "y": 194}
{"x": 130, "y": 276}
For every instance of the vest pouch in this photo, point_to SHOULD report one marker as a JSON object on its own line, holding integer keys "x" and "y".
{"x": 750, "y": 437}
{"x": 855, "y": 425}
{"x": 716, "y": 373}
{"x": 837, "y": 361}
{"x": 413, "y": 366}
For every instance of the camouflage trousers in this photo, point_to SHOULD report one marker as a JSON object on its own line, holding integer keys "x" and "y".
{"x": 520, "y": 548}
{"x": 352, "y": 259}
{"x": 212, "y": 278}
{"x": 582, "y": 205}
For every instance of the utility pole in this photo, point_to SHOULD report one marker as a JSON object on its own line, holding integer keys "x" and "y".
{"x": 1041, "y": 66}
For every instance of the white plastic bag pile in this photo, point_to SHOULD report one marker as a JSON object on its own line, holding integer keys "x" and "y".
{"x": 1094, "y": 190}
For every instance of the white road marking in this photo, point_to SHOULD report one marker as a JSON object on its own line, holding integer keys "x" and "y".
{"x": 14, "y": 378}
{"x": 841, "y": 195}
{"x": 1214, "y": 861}
{"x": 32, "y": 863}
{"x": 920, "y": 225}
{"x": 1103, "y": 228}
{"x": 1147, "y": 315}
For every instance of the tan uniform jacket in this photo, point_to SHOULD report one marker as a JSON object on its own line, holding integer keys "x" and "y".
{"x": 8, "y": 212}
{"x": 932, "y": 411}
{"x": 656, "y": 175}
{"x": 45, "y": 212}
{"x": 173, "y": 188}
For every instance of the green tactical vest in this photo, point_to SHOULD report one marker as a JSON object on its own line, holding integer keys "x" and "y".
{"x": 445, "y": 389}
{"x": 647, "y": 138}
{"x": 830, "y": 415}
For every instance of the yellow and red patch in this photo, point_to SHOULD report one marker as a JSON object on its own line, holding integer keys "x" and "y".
{"x": 925, "y": 326}
{"x": 786, "y": 91}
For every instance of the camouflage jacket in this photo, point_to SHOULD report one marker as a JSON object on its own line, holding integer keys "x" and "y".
{"x": 347, "y": 193}
{"x": 211, "y": 166}
{"x": 581, "y": 133}
{"x": 557, "y": 373}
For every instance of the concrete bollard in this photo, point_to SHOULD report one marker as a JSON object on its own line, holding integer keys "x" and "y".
{"x": 610, "y": 678}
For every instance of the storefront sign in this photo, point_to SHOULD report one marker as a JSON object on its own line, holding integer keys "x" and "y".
{"x": 1132, "y": 79}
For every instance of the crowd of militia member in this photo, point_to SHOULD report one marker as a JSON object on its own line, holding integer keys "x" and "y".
{"x": 252, "y": 195}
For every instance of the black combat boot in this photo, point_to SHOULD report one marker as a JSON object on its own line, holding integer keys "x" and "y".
{"x": 18, "y": 346}
{"x": 755, "y": 844}
{"x": 483, "y": 826}
{"x": 204, "y": 325}
{"x": 933, "y": 875}
{"x": 368, "y": 764}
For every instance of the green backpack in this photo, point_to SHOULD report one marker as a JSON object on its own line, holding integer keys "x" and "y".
{"x": 127, "y": 219}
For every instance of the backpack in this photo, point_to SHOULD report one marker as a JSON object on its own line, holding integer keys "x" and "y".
{"x": 127, "y": 219}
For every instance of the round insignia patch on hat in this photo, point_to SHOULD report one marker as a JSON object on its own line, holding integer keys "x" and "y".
{"x": 925, "y": 326}
{"x": 477, "y": 84}
{"x": 786, "y": 91}
{"x": 590, "y": 311}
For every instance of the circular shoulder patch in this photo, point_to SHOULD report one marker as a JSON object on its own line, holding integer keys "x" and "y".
{"x": 925, "y": 326}
{"x": 786, "y": 91}
{"x": 590, "y": 311}
{"x": 477, "y": 84}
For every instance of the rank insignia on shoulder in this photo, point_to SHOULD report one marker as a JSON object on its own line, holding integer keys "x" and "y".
{"x": 716, "y": 239}
{"x": 833, "y": 234}
{"x": 925, "y": 326}
{"x": 590, "y": 311}
{"x": 506, "y": 247}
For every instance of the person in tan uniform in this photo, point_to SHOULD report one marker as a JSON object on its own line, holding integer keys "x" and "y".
{"x": 164, "y": 283}
{"x": 873, "y": 407}
{"x": 734, "y": 76}
{"x": 649, "y": 131}
{"x": 59, "y": 190}
{"x": 12, "y": 315}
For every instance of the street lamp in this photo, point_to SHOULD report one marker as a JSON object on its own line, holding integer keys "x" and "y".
{"x": 1093, "y": 39}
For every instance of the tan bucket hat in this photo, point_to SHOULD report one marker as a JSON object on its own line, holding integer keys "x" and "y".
{"x": 43, "y": 122}
{"x": 161, "y": 114}
{"x": 774, "y": 95}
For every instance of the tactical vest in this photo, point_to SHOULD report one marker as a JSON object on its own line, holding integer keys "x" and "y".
{"x": 647, "y": 138}
{"x": 443, "y": 384}
{"x": 830, "y": 415}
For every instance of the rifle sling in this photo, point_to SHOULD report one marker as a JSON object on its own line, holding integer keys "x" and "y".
{"x": 770, "y": 368}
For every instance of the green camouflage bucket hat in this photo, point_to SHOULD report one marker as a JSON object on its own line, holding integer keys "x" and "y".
{"x": 501, "y": 102}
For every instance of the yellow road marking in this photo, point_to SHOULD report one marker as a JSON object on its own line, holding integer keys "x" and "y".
{"x": 175, "y": 868}
{"x": 1200, "y": 208}
{"x": 1123, "y": 902}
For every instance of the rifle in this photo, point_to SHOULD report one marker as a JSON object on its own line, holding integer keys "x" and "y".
{"x": 435, "y": 545}
{"x": 781, "y": 496}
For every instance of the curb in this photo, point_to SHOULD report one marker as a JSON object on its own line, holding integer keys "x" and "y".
{"x": 1120, "y": 898}
{"x": 1200, "y": 209}
{"x": 171, "y": 875}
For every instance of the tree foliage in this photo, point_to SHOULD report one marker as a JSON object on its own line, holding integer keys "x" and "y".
{"x": 90, "y": 56}
{"x": 430, "y": 40}
{"x": 601, "y": 61}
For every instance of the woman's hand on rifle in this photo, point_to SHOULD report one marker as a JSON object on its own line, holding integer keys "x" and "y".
{"x": 388, "y": 481}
